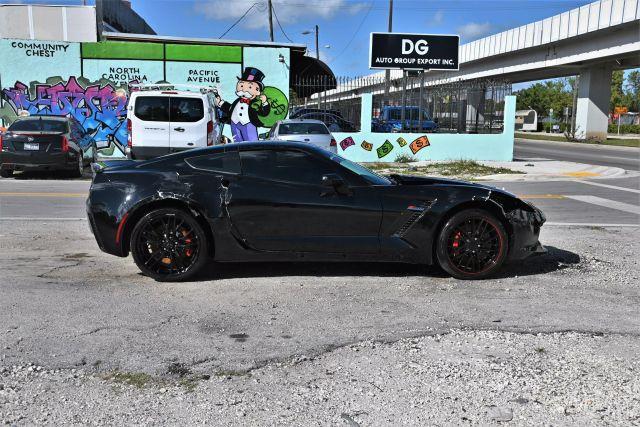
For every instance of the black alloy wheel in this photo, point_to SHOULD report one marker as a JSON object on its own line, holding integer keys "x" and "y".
{"x": 473, "y": 244}
{"x": 169, "y": 245}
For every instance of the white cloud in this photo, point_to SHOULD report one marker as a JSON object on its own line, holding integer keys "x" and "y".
{"x": 474, "y": 30}
{"x": 437, "y": 18}
{"x": 287, "y": 11}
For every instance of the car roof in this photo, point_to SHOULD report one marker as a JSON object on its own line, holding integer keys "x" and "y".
{"x": 44, "y": 116}
{"x": 139, "y": 93}
{"x": 244, "y": 146}
{"x": 303, "y": 120}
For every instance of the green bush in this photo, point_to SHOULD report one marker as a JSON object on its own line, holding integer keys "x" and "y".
{"x": 404, "y": 158}
{"x": 613, "y": 128}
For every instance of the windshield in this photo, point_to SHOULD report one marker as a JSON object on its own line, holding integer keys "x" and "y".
{"x": 364, "y": 172}
{"x": 38, "y": 125}
{"x": 303, "y": 129}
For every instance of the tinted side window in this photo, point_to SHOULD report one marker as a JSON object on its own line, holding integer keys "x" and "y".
{"x": 186, "y": 109}
{"x": 286, "y": 165}
{"x": 219, "y": 162}
{"x": 152, "y": 108}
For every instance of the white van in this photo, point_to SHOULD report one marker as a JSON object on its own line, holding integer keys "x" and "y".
{"x": 167, "y": 121}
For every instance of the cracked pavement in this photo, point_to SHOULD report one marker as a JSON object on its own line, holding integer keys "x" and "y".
{"x": 66, "y": 306}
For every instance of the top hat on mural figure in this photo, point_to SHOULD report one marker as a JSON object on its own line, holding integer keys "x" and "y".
{"x": 251, "y": 74}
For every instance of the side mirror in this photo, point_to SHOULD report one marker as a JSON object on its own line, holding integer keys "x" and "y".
{"x": 334, "y": 184}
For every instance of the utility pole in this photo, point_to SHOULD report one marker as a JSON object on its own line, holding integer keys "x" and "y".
{"x": 387, "y": 73}
{"x": 317, "y": 46}
{"x": 270, "y": 20}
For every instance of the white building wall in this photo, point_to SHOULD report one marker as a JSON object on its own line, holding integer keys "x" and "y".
{"x": 41, "y": 22}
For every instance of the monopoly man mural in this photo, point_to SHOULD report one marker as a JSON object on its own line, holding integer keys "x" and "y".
{"x": 245, "y": 113}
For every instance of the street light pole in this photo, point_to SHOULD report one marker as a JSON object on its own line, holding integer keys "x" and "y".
{"x": 387, "y": 73}
{"x": 270, "y": 20}
{"x": 317, "y": 47}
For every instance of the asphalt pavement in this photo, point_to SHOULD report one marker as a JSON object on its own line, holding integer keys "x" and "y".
{"x": 600, "y": 202}
{"x": 605, "y": 155}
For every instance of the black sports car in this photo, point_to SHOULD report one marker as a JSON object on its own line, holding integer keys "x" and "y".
{"x": 284, "y": 201}
{"x": 46, "y": 143}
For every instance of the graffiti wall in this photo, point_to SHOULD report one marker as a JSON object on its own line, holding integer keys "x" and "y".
{"x": 92, "y": 82}
{"x": 368, "y": 146}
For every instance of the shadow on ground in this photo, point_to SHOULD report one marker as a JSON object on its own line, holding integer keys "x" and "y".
{"x": 555, "y": 259}
{"x": 55, "y": 175}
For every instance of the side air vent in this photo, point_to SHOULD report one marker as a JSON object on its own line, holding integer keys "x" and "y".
{"x": 415, "y": 213}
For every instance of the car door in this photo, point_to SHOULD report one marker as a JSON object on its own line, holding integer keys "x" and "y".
{"x": 188, "y": 123}
{"x": 149, "y": 130}
{"x": 279, "y": 203}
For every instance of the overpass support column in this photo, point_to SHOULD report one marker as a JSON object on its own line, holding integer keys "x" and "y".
{"x": 592, "y": 110}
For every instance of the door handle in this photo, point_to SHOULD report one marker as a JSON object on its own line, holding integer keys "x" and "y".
{"x": 179, "y": 129}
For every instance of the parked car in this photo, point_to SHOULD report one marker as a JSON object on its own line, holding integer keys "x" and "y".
{"x": 46, "y": 143}
{"x": 302, "y": 130}
{"x": 333, "y": 122}
{"x": 160, "y": 122}
{"x": 284, "y": 201}
{"x": 390, "y": 120}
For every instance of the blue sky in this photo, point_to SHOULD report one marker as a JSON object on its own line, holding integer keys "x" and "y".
{"x": 344, "y": 24}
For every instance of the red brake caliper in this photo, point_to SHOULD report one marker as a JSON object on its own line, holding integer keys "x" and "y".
{"x": 188, "y": 252}
{"x": 456, "y": 239}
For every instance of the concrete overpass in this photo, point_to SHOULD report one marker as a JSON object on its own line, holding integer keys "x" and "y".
{"x": 590, "y": 41}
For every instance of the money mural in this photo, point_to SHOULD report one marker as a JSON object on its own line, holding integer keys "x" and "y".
{"x": 419, "y": 143}
{"x": 346, "y": 143}
{"x": 384, "y": 149}
{"x": 367, "y": 145}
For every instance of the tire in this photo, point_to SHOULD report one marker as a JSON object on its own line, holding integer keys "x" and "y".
{"x": 6, "y": 173}
{"x": 169, "y": 245}
{"x": 473, "y": 244}
{"x": 79, "y": 170}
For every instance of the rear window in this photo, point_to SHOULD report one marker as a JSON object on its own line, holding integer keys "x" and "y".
{"x": 186, "y": 109}
{"x": 152, "y": 108}
{"x": 228, "y": 162}
{"x": 38, "y": 125}
{"x": 302, "y": 129}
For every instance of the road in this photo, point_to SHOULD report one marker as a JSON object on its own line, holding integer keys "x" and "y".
{"x": 603, "y": 202}
{"x": 620, "y": 157}
{"x": 553, "y": 340}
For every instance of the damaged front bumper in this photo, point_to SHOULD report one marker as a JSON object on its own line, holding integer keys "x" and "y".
{"x": 525, "y": 226}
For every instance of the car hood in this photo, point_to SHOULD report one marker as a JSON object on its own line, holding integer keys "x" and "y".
{"x": 412, "y": 181}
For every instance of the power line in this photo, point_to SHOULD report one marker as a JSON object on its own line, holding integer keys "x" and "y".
{"x": 238, "y": 20}
{"x": 280, "y": 26}
{"x": 355, "y": 33}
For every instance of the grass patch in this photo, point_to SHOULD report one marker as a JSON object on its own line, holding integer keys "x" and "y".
{"x": 135, "y": 379}
{"x": 458, "y": 168}
{"x": 540, "y": 350}
{"x": 561, "y": 138}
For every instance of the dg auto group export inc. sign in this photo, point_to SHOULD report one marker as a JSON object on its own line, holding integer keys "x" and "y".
{"x": 413, "y": 51}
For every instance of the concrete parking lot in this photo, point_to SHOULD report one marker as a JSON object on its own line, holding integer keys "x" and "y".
{"x": 87, "y": 339}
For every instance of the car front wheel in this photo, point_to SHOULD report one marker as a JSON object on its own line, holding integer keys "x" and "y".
{"x": 473, "y": 244}
{"x": 169, "y": 245}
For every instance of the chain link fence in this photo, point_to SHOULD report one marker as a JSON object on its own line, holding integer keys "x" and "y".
{"x": 409, "y": 104}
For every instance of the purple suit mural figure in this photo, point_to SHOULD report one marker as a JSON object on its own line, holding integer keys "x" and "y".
{"x": 244, "y": 119}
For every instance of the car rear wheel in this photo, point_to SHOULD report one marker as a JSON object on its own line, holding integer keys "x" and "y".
{"x": 473, "y": 244}
{"x": 169, "y": 245}
{"x": 79, "y": 171}
{"x": 6, "y": 173}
